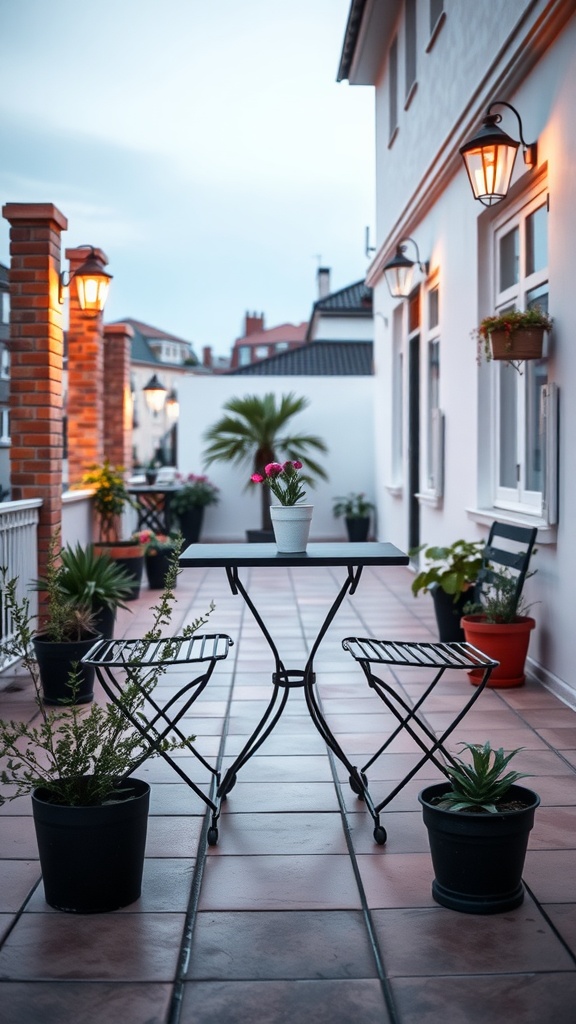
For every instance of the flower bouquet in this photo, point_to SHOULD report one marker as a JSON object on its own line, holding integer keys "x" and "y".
{"x": 290, "y": 518}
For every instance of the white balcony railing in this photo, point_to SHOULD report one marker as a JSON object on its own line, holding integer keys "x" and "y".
{"x": 19, "y": 556}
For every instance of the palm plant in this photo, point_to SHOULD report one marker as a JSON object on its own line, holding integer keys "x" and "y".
{"x": 255, "y": 431}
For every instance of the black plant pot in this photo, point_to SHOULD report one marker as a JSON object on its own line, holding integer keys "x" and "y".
{"x": 104, "y": 619}
{"x": 92, "y": 858}
{"x": 449, "y": 612}
{"x": 478, "y": 858}
{"x": 151, "y": 476}
{"x": 157, "y": 564}
{"x": 56, "y": 662}
{"x": 191, "y": 524}
{"x": 358, "y": 528}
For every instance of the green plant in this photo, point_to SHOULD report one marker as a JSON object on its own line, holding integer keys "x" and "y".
{"x": 353, "y": 506}
{"x": 69, "y": 611}
{"x": 193, "y": 492}
{"x": 154, "y": 542}
{"x": 254, "y": 431}
{"x": 500, "y": 601}
{"x": 284, "y": 481}
{"x": 110, "y": 497}
{"x": 509, "y": 321}
{"x": 480, "y": 786}
{"x": 453, "y": 568}
{"x": 79, "y": 755}
{"x": 85, "y": 578}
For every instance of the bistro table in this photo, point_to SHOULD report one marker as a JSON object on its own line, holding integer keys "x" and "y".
{"x": 353, "y": 557}
{"x": 152, "y": 504}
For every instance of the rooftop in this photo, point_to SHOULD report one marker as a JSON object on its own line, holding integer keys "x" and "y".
{"x": 297, "y": 915}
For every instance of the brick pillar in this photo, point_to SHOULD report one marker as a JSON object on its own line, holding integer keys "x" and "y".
{"x": 36, "y": 348}
{"x": 118, "y": 395}
{"x": 85, "y": 405}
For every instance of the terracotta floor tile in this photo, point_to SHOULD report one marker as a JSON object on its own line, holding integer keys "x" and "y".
{"x": 279, "y": 883}
{"x": 406, "y": 832}
{"x": 423, "y": 942}
{"x": 281, "y": 944}
{"x": 17, "y": 881}
{"x": 397, "y": 880}
{"x": 173, "y": 836}
{"x": 315, "y": 1002}
{"x": 69, "y": 1002}
{"x": 554, "y": 829}
{"x": 288, "y": 832}
{"x": 551, "y": 875}
{"x": 280, "y": 770}
{"x": 92, "y": 947}
{"x": 526, "y": 998}
{"x": 252, "y": 797}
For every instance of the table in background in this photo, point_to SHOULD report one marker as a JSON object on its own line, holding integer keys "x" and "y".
{"x": 152, "y": 505}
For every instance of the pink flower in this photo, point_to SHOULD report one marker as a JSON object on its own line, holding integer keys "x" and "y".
{"x": 273, "y": 469}
{"x": 297, "y": 465}
{"x": 256, "y": 478}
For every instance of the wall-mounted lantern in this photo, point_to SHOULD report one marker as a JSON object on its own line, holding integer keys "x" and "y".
{"x": 92, "y": 283}
{"x": 172, "y": 406}
{"x": 489, "y": 157}
{"x": 155, "y": 394}
{"x": 399, "y": 271}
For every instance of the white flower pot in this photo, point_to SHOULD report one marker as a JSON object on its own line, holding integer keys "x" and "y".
{"x": 291, "y": 524}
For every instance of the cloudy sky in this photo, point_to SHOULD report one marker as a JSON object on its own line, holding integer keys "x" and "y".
{"x": 204, "y": 145}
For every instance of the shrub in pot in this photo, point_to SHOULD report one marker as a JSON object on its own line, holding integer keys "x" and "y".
{"x": 158, "y": 555}
{"x": 90, "y": 813}
{"x": 500, "y": 626}
{"x": 110, "y": 500}
{"x": 449, "y": 576}
{"x": 356, "y": 510}
{"x": 188, "y": 502}
{"x": 478, "y": 825}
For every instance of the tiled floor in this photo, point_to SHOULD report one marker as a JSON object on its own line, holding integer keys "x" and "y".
{"x": 297, "y": 915}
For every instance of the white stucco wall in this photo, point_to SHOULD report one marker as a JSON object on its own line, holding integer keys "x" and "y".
{"x": 340, "y": 412}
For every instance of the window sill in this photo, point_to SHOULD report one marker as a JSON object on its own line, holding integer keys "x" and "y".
{"x": 429, "y": 498}
{"x": 486, "y": 516}
{"x": 396, "y": 490}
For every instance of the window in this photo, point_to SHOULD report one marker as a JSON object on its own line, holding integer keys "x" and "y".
{"x": 4, "y": 363}
{"x": 4, "y": 307}
{"x": 436, "y": 11}
{"x": 521, "y": 281}
{"x": 410, "y": 22}
{"x": 244, "y": 355}
{"x": 393, "y": 90}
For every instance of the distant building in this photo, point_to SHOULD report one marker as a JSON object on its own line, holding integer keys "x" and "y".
{"x": 259, "y": 343}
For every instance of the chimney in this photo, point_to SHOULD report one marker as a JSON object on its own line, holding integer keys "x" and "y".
{"x": 323, "y": 277}
{"x": 254, "y": 323}
{"x": 207, "y": 357}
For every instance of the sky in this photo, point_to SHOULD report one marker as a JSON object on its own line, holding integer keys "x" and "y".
{"x": 204, "y": 145}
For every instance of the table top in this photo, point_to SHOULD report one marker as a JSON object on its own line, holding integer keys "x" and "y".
{"x": 154, "y": 488}
{"x": 332, "y": 553}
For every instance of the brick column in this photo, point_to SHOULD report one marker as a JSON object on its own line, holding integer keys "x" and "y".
{"x": 118, "y": 395}
{"x": 85, "y": 405}
{"x": 36, "y": 348}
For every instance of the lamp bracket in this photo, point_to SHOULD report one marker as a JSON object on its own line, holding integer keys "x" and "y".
{"x": 529, "y": 149}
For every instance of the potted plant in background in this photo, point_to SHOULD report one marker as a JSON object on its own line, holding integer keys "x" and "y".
{"x": 356, "y": 510}
{"x": 94, "y": 581}
{"x": 158, "y": 555}
{"x": 478, "y": 827}
{"x": 194, "y": 492}
{"x": 500, "y": 626}
{"x": 255, "y": 431}
{"x": 151, "y": 471}
{"x": 90, "y": 813}
{"x": 111, "y": 497}
{"x": 66, "y": 633}
{"x": 449, "y": 576}
{"x": 513, "y": 335}
{"x": 290, "y": 518}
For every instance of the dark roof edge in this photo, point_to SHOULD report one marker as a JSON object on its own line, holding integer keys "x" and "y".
{"x": 350, "y": 39}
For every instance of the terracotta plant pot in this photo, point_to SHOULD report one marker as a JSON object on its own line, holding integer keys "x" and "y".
{"x": 506, "y": 642}
{"x": 130, "y": 556}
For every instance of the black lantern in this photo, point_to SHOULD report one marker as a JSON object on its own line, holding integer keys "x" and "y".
{"x": 399, "y": 271}
{"x": 489, "y": 157}
{"x": 92, "y": 283}
{"x": 155, "y": 394}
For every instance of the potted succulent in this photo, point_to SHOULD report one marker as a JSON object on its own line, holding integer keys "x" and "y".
{"x": 255, "y": 431}
{"x": 356, "y": 510}
{"x": 478, "y": 827}
{"x": 290, "y": 517}
{"x": 90, "y": 813}
{"x": 93, "y": 581}
{"x": 449, "y": 576}
{"x": 111, "y": 497}
{"x": 513, "y": 335}
{"x": 66, "y": 631}
{"x": 500, "y": 626}
{"x": 158, "y": 555}
{"x": 194, "y": 492}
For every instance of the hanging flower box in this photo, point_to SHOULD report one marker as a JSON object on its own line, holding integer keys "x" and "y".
{"x": 514, "y": 335}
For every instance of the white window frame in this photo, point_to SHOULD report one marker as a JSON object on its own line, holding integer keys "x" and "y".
{"x": 514, "y": 499}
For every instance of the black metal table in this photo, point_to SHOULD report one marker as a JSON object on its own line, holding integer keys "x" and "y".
{"x": 353, "y": 557}
{"x": 152, "y": 505}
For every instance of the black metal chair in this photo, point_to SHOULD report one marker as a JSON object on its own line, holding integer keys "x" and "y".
{"x": 508, "y": 549}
